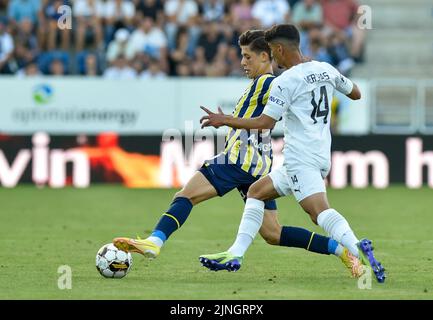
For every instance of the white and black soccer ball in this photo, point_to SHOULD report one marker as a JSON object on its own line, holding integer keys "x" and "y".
{"x": 112, "y": 262}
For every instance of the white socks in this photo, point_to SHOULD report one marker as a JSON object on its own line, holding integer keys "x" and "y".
{"x": 339, "y": 251}
{"x": 338, "y": 229}
{"x": 156, "y": 241}
{"x": 251, "y": 222}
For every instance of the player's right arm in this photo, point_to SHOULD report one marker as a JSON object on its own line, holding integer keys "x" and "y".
{"x": 219, "y": 119}
{"x": 273, "y": 111}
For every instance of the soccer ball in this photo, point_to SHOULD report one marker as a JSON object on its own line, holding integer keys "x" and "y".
{"x": 112, "y": 262}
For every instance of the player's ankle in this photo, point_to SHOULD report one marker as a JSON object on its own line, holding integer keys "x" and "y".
{"x": 156, "y": 240}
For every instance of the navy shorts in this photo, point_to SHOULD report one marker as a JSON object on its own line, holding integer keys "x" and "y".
{"x": 226, "y": 177}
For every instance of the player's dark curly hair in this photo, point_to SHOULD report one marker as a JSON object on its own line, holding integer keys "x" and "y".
{"x": 287, "y": 32}
{"x": 255, "y": 39}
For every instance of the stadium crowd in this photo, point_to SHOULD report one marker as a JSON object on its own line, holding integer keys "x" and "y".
{"x": 121, "y": 39}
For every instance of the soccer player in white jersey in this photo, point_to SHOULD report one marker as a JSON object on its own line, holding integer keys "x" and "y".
{"x": 301, "y": 97}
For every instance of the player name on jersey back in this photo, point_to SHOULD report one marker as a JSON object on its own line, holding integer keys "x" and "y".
{"x": 317, "y": 77}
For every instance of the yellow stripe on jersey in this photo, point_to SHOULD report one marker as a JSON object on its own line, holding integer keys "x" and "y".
{"x": 248, "y": 158}
{"x": 250, "y": 109}
{"x": 258, "y": 167}
{"x": 266, "y": 96}
{"x": 234, "y": 152}
{"x": 245, "y": 108}
{"x": 253, "y": 104}
{"x": 249, "y": 154}
{"x": 239, "y": 105}
{"x": 268, "y": 166}
{"x": 232, "y": 140}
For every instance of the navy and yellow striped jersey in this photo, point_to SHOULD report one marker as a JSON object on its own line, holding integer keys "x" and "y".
{"x": 251, "y": 149}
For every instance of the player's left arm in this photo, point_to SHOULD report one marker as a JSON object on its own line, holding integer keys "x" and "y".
{"x": 220, "y": 119}
{"x": 355, "y": 94}
{"x": 347, "y": 86}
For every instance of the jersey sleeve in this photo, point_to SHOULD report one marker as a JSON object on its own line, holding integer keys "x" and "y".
{"x": 277, "y": 101}
{"x": 342, "y": 84}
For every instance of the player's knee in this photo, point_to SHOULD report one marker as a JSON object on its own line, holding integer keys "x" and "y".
{"x": 183, "y": 194}
{"x": 314, "y": 209}
{"x": 179, "y": 194}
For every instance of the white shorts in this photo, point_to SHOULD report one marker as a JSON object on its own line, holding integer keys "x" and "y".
{"x": 301, "y": 182}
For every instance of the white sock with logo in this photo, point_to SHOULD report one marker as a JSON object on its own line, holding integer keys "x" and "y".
{"x": 338, "y": 229}
{"x": 251, "y": 222}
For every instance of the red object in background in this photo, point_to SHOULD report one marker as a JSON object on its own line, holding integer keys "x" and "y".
{"x": 133, "y": 169}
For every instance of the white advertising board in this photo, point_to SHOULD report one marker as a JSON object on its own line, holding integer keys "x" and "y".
{"x": 73, "y": 105}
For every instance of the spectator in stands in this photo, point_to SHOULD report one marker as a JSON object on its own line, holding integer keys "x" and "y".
{"x": 241, "y": 10}
{"x": 140, "y": 62}
{"x": 210, "y": 41}
{"x": 30, "y": 70}
{"x": 57, "y": 68}
{"x": 187, "y": 37}
{"x": 316, "y": 49}
{"x": 118, "y": 14}
{"x": 91, "y": 66}
{"x": 118, "y": 45}
{"x": 88, "y": 15}
{"x": 26, "y": 44}
{"x": 341, "y": 16}
{"x": 270, "y": 12}
{"x": 151, "y": 8}
{"x": 307, "y": 14}
{"x": 149, "y": 39}
{"x": 180, "y": 53}
{"x": 213, "y": 10}
{"x": 198, "y": 68}
{"x": 19, "y": 10}
{"x": 3, "y": 6}
{"x": 153, "y": 71}
{"x": 292, "y": 3}
{"x": 218, "y": 67}
{"x": 48, "y": 24}
{"x": 339, "y": 53}
{"x": 184, "y": 69}
{"x": 42, "y": 26}
{"x": 6, "y": 49}
{"x": 181, "y": 13}
{"x": 234, "y": 63}
{"x": 120, "y": 70}
{"x": 241, "y": 13}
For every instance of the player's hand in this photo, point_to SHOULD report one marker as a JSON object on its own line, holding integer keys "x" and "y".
{"x": 215, "y": 120}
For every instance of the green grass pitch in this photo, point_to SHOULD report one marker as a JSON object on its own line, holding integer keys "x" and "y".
{"x": 42, "y": 229}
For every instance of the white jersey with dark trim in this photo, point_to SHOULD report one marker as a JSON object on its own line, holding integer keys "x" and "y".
{"x": 302, "y": 96}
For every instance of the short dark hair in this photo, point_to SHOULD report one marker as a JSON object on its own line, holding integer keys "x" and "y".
{"x": 255, "y": 39}
{"x": 286, "y": 32}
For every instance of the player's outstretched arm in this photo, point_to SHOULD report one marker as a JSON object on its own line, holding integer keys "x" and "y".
{"x": 355, "y": 94}
{"x": 220, "y": 119}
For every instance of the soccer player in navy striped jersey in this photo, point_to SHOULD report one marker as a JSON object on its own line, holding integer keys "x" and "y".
{"x": 247, "y": 156}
